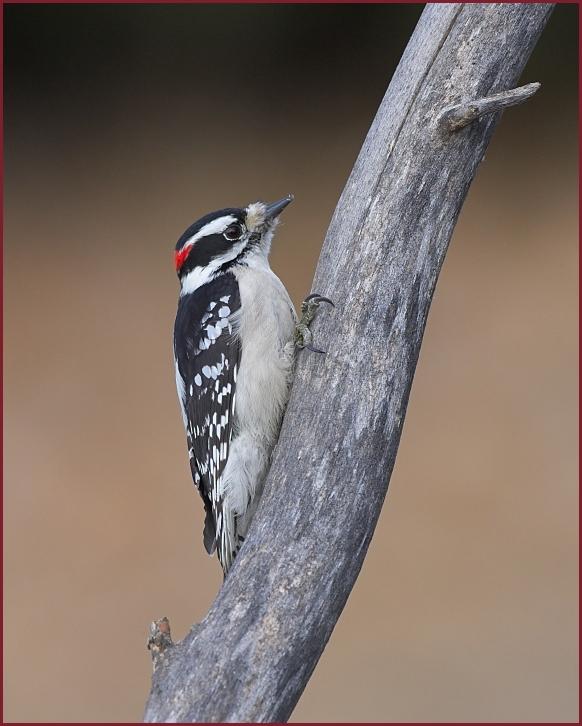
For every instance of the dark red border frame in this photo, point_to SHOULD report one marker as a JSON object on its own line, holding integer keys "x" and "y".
{"x": 218, "y": 2}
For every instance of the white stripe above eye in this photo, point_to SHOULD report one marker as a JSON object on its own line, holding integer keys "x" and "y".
{"x": 217, "y": 226}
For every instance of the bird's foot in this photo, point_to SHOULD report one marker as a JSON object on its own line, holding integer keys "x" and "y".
{"x": 303, "y": 337}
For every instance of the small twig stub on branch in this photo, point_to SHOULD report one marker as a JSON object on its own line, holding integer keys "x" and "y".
{"x": 160, "y": 639}
{"x": 462, "y": 114}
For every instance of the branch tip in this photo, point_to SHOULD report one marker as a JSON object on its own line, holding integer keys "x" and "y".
{"x": 460, "y": 115}
{"x": 160, "y": 639}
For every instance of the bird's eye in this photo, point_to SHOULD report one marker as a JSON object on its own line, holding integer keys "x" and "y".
{"x": 233, "y": 232}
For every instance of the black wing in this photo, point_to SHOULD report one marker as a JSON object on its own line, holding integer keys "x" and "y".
{"x": 207, "y": 360}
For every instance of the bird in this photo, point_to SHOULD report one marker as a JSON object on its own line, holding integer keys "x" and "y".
{"x": 236, "y": 334}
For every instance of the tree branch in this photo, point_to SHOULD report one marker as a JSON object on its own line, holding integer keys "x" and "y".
{"x": 251, "y": 657}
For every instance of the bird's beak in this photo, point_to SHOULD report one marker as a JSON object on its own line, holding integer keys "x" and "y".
{"x": 275, "y": 208}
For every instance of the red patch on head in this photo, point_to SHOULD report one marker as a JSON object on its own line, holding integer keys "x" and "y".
{"x": 181, "y": 255}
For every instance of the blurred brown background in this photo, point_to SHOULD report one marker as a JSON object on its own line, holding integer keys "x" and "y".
{"x": 123, "y": 124}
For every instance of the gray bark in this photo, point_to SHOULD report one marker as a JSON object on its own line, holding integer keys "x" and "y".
{"x": 251, "y": 657}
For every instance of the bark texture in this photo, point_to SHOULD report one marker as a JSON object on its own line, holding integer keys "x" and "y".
{"x": 251, "y": 657}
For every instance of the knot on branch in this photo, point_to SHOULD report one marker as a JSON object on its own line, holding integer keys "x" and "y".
{"x": 160, "y": 640}
{"x": 460, "y": 115}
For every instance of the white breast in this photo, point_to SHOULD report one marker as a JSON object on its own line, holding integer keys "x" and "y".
{"x": 265, "y": 323}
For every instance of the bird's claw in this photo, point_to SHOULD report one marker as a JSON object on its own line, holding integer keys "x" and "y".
{"x": 317, "y": 298}
{"x": 303, "y": 335}
{"x": 314, "y": 350}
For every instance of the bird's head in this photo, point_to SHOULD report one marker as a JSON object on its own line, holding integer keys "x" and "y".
{"x": 224, "y": 238}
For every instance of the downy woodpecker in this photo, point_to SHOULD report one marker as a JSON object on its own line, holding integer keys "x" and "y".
{"x": 234, "y": 341}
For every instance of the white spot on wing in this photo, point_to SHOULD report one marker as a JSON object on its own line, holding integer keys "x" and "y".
{"x": 213, "y": 332}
